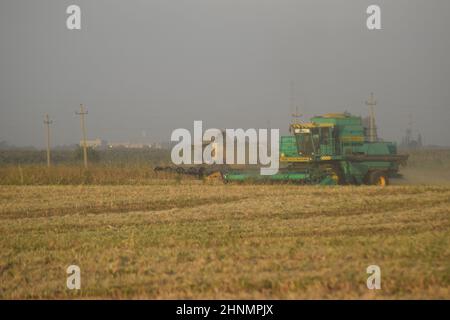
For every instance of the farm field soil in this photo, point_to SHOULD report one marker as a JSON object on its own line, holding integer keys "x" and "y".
{"x": 200, "y": 241}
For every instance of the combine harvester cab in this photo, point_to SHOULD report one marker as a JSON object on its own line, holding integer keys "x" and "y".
{"x": 335, "y": 149}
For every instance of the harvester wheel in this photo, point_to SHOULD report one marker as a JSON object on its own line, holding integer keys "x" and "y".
{"x": 336, "y": 176}
{"x": 378, "y": 178}
{"x": 214, "y": 177}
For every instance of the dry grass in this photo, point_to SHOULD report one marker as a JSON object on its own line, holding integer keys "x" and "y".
{"x": 97, "y": 174}
{"x": 214, "y": 241}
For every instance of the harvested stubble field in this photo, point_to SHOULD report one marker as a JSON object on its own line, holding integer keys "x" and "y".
{"x": 192, "y": 240}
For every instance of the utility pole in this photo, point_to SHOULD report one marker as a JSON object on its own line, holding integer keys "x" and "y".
{"x": 372, "y": 128}
{"x": 291, "y": 97}
{"x": 82, "y": 113}
{"x": 294, "y": 108}
{"x": 48, "y": 123}
{"x": 296, "y": 115}
{"x": 409, "y": 137}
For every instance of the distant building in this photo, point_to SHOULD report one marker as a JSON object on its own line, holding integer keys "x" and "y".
{"x": 156, "y": 145}
{"x": 128, "y": 145}
{"x": 95, "y": 144}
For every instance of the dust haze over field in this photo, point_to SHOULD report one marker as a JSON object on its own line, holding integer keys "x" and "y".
{"x": 418, "y": 176}
{"x": 426, "y": 167}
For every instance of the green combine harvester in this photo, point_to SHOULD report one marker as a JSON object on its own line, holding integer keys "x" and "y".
{"x": 331, "y": 149}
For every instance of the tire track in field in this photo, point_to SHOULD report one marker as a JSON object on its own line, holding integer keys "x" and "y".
{"x": 119, "y": 207}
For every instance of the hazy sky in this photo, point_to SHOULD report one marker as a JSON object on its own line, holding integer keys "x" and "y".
{"x": 157, "y": 65}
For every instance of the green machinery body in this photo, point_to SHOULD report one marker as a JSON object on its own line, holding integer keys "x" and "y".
{"x": 331, "y": 149}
